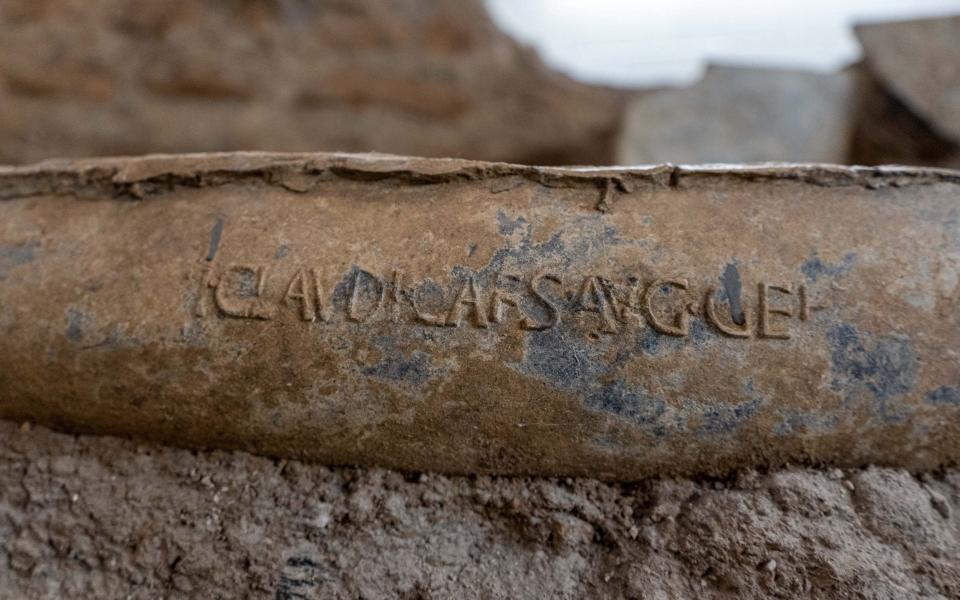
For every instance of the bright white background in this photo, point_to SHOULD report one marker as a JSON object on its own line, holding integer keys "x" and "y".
{"x": 655, "y": 42}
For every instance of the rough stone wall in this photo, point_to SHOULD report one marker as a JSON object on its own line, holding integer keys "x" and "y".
{"x": 418, "y": 77}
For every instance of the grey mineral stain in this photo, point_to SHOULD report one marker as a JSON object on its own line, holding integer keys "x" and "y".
{"x": 650, "y": 341}
{"x": 796, "y": 421}
{"x": 951, "y": 226}
{"x": 430, "y": 298}
{"x": 883, "y": 365}
{"x": 731, "y": 288}
{"x": 363, "y": 286}
{"x": 944, "y": 395}
{"x": 697, "y": 333}
{"x": 414, "y": 368}
{"x": 282, "y": 251}
{"x": 562, "y": 355}
{"x": 564, "y": 358}
{"x": 569, "y": 359}
{"x": 76, "y": 322}
{"x": 192, "y": 335}
{"x": 630, "y": 403}
{"x": 650, "y": 413}
{"x": 247, "y": 286}
{"x": 506, "y": 225}
{"x": 722, "y": 418}
{"x": 814, "y": 267}
{"x": 725, "y": 419}
{"x": 577, "y": 242}
{"x": 80, "y": 327}
{"x": 215, "y": 234}
{"x": 15, "y": 255}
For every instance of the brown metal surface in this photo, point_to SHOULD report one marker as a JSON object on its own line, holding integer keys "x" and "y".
{"x": 476, "y": 317}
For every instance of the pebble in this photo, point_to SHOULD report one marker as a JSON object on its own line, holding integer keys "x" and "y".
{"x": 939, "y": 503}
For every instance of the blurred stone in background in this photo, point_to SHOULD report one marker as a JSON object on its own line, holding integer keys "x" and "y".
{"x": 736, "y": 115}
{"x": 900, "y": 105}
{"x": 919, "y": 62}
{"x": 422, "y": 77}
{"x": 886, "y": 131}
{"x": 436, "y": 78}
{"x": 909, "y": 93}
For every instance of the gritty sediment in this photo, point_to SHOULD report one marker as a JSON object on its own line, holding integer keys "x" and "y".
{"x": 100, "y": 517}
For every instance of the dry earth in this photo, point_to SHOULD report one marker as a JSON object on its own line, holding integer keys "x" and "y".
{"x": 100, "y": 517}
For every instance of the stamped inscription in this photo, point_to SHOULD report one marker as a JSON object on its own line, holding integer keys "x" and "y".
{"x": 533, "y": 301}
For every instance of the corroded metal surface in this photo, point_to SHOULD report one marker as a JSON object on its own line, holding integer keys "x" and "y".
{"x": 472, "y": 317}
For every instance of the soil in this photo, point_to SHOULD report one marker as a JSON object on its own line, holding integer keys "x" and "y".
{"x": 100, "y": 517}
